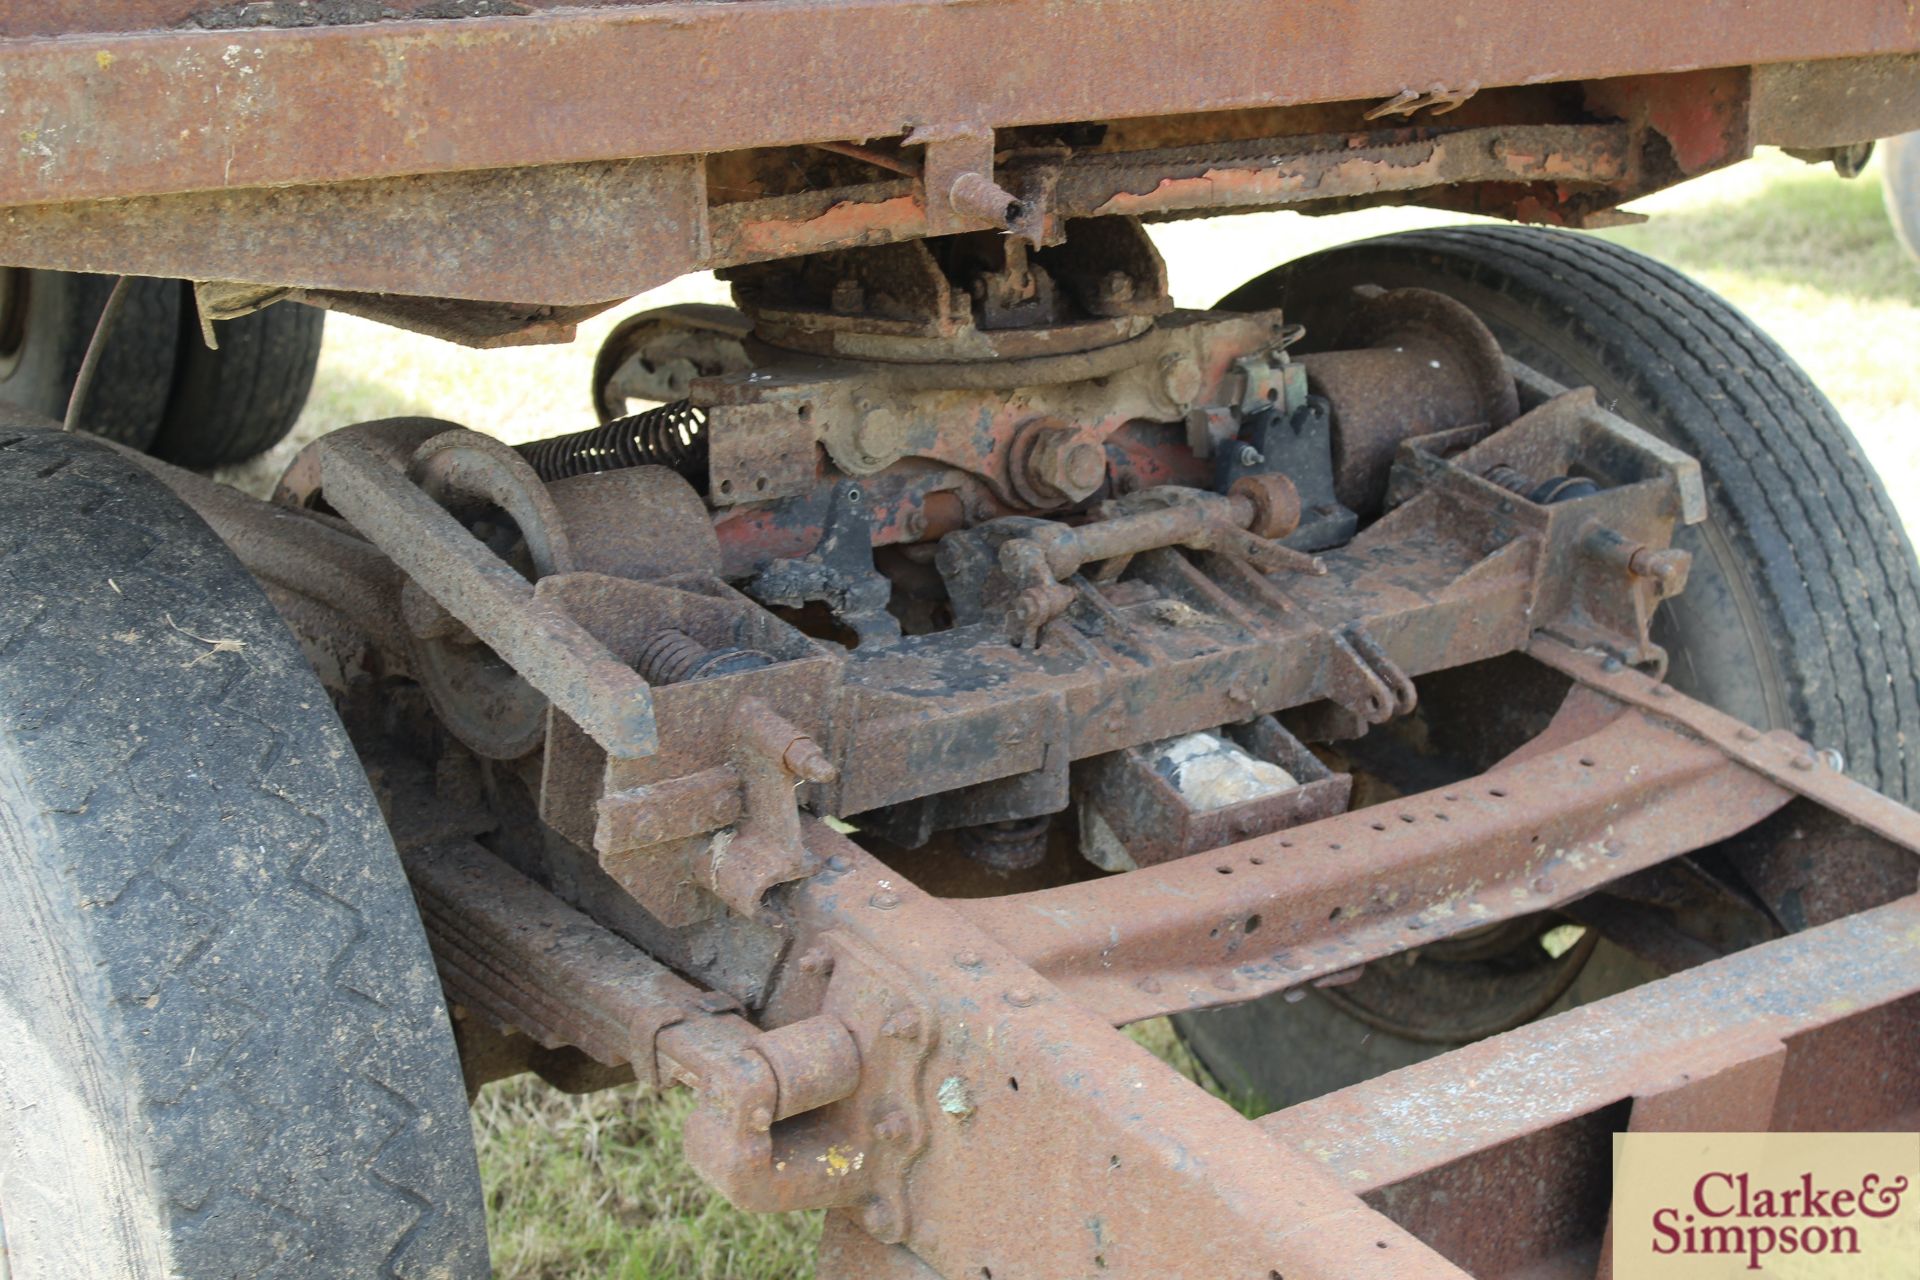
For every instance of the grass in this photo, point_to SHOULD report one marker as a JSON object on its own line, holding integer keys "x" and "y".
{"x": 594, "y": 1186}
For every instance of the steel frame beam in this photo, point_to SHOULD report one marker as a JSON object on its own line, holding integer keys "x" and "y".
{"x": 1759, "y": 1040}
{"x": 1030, "y": 1094}
{"x": 118, "y": 114}
{"x": 988, "y": 1072}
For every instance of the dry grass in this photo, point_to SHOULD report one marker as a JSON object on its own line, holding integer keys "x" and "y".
{"x": 594, "y": 1186}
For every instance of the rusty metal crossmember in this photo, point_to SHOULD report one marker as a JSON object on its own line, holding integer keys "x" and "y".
{"x": 1817, "y": 1031}
{"x": 555, "y": 654}
{"x": 989, "y": 1073}
{"x": 1032, "y": 1095}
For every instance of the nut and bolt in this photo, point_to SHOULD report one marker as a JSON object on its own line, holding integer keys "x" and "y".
{"x": 975, "y": 195}
{"x": 803, "y": 758}
{"x": 880, "y": 434}
{"x": 1668, "y": 567}
{"x": 1251, "y": 457}
{"x": 1067, "y": 461}
{"x": 1180, "y": 380}
{"x": 1056, "y": 462}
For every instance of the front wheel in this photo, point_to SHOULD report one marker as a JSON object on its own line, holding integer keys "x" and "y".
{"x": 1802, "y": 611}
{"x": 223, "y": 1051}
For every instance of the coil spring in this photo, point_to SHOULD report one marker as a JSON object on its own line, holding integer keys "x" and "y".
{"x": 1007, "y": 846}
{"x": 672, "y": 435}
{"x": 671, "y": 657}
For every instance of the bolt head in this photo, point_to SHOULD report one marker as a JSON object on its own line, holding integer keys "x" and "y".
{"x": 1085, "y": 466}
{"x": 1180, "y": 380}
{"x": 1063, "y": 462}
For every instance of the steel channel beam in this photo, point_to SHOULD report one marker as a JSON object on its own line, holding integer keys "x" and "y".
{"x": 1031, "y": 1097}
{"x": 611, "y": 229}
{"x": 554, "y": 653}
{"x": 119, "y": 115}
{"x": 1785, "y": 760}
{"x": 1282, "y": 910}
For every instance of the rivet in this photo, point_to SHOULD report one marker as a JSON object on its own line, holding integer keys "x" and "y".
{"x": 967, "y": 959}
{"x": 1021, "y": 997}
{"x": 1803, "y": 763}
{"x": 1747, "y": 733}
{"x": 884, "y": 901}
{"x": 893, "y": 1127}
{"x": 816, "y": 961}
{"x": 877, "y": 1218}
{"x": 1542, "y": 885}
{"x": 1662, "y": 690}
{"x": 1611, "y": 665}
{"x": 762, "y": 1119}
{"x": 904, "y": 1025}
{"x": 1149, "y": 984}
{"x": 1225, "y": 982}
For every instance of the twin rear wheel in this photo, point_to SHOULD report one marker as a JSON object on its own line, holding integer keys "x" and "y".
{"x": 1802, "y": 611}
{"x": 159, "y": 388}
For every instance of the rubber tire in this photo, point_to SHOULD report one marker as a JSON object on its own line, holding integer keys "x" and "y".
{"x": 237, "y": 401}
{"x": 226, "y": 1053}
{"x": 1900, "y": 188}
{"x": 130, "y": 388}
{"x": 1803, "y": 607}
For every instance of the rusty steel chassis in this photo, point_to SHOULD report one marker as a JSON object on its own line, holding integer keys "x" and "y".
{"x": 181, "y": 138}
{"x": 945, "y": 1073}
